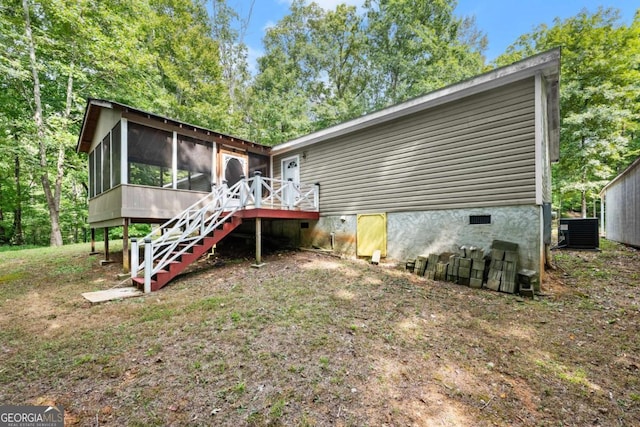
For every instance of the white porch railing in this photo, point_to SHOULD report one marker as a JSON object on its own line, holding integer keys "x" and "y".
{"x": 169, "y": 241}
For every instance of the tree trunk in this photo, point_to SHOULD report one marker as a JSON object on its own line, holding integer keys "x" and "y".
{"x": 583, "y": 193}
{"x": 53, "y": 200}
{"x": 3, "y": 233}
{"x": 18, "y": 237}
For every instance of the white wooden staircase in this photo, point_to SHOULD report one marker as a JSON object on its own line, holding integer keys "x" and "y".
{"x": 173, "y": 246}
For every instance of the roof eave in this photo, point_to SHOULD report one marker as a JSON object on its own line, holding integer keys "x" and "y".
{"x": 627, "y": 170}
{"x": 92, "y": 114}
{"x": 87, "y": 129}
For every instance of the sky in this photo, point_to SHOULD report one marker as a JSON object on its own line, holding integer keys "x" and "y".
{"x": 503, "y": 21}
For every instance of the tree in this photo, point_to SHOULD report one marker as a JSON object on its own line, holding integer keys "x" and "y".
{"x": 324, "y": 67}
{"x": 339, "y": 46}
{"x": 282, "y": 90}
{"x": 599, "y": 96}
{"x": 154, "y": 54}
{"x": 190, "y": 79}
{"x": 417, "y": 46}
{"x": 228, "y": 29}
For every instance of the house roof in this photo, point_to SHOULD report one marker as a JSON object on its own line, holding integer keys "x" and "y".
{"x": 546, "y": 63}
{"x": 95, "y": 106}
{"x": 627, "y": 171}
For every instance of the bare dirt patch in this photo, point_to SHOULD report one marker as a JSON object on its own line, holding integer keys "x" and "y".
{"x": 310, "y": 339}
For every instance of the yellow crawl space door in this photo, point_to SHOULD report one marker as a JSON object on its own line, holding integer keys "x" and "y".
{"x": 371, "y": 234}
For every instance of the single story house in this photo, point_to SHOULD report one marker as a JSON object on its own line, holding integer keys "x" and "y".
{"x": 620, "y": 207}
{"x": 463, "y": 165}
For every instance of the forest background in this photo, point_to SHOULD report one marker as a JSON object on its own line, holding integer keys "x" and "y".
{"x": 187, "y": 59}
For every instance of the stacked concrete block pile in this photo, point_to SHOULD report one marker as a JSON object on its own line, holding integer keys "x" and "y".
{"x": 432, "y": 262}
{"x": 467, "y": 267}
{"x": 528, "y": 281}
{"x": 470, "y": 267}
{"x": 503, "y": 267}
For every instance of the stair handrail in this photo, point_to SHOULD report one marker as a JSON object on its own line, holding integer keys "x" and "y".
{"x": 179, "y": 234}
{"x": 215, "y": 209}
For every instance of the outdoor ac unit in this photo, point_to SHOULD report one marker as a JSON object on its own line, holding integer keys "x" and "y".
{"x": 579, "y": 233}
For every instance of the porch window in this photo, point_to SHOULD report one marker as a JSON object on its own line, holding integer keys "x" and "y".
{"x": 149, "y": 156}
{"x": 92, "y": 174}
{"x": 194, "y": 164}
{"x": 106, "y": 162}
{"x": 98, "y": 174}
{"x": 260, "y": 163}
{"x": 116, "y": 154}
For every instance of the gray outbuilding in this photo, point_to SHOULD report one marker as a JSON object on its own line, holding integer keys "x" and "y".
{"x": 620, "y": 207}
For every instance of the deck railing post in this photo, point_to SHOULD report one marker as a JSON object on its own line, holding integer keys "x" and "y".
{"x": 290, "y": 196}
{"x": 243, "y": 191}
{"x": 203, "y": 219}
{"x": 134, "y": 257}
{"x": 316, "y": 196}
{"x": 225, "y": 192}
{"x": 257, "y": 189}
{"x": 148, "y": 265}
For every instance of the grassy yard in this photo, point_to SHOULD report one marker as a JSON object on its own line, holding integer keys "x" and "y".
{"x": 314, "y": 340}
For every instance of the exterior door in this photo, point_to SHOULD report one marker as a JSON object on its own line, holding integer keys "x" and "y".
{"x": 371, "y": 234}
{"x": 290, "y": 171}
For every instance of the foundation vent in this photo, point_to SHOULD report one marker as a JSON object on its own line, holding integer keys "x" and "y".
{"x": 479, "y": 219}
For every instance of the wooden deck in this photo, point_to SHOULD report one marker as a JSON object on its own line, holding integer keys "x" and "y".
{"x": 269, "y": 213}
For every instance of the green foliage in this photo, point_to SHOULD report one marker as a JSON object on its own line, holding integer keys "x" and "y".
{"x": 418, "y": 46}
{"x": 599, "y": 99}
{"x": 324, "y": 67}
{"x": 135, "y": 230}
{"x": 153, "y": 54}
{"x": 228, "y": 29}
{"x": 320, "y": 67}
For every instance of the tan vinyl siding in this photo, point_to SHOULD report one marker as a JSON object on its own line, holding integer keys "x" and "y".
{"x": 108, "y": 119}
{"x": 475, "y": 152}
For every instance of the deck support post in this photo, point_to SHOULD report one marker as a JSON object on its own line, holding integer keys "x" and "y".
{"x": 126, "y": 266}
{"x": 148, "y": 265}
{"x": 106, "y": 243}
{"x": 225, "y": 192}
{"x": 93, "y": 242}
{"x": 106, "y": 259}
{"x": 259, "y": 262}
{"x": 134, "y": 257}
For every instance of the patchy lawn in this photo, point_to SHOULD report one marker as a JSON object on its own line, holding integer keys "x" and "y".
{"x": 314, "y": 340}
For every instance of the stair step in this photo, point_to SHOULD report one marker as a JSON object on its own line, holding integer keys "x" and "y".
{"x": 174, "y": 265}
{"x": 139, "y": 282}
{"x": 188, "y": 257}
{"x": 173, "y": 268}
